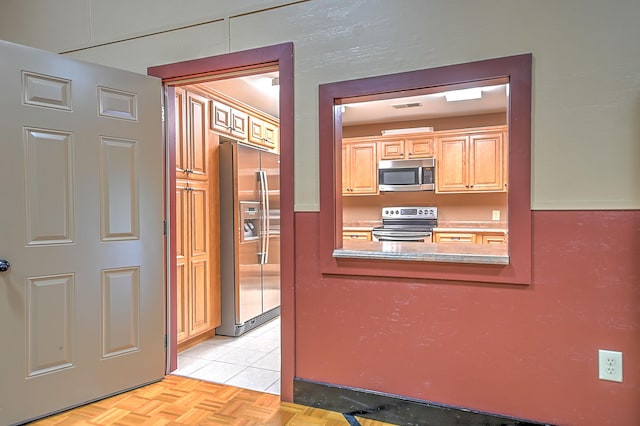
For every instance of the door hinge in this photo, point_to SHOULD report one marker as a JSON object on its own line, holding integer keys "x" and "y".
{"x": 162, "y": 113}
{"x": 165, "y": 340}
{"x": 164, "y": 227}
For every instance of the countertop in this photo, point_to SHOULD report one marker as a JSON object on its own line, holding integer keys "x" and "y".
{"x": 471, "y": 226}
{"x": 443, "y": 226}
{"x": 487, "y": 254}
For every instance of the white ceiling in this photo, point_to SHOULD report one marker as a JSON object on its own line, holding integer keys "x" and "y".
{"x": 494, "y": 99}
{"x": 258, "y": 91}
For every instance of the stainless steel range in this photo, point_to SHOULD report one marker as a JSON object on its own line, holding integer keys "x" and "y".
{"x": 406, "y": 224}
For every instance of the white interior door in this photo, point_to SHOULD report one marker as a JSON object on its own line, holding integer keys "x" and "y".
{"x": 81, "y": 210}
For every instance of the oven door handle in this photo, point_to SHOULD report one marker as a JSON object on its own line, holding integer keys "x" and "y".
{"x": 385, "y": 236}
{"x": 404, "y": 238}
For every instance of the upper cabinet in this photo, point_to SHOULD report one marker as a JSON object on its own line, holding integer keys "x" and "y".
{"x": 467, "y": 160}
{"x": 471, "y": 161}
{"x": 409, "y": 147}
{"x": 264, "y": 133}
{"x": 228, "y": 120}
{"x": 359, "y": 168}
{"x": 242, "y": 122}
{"x": 192, "y": 124}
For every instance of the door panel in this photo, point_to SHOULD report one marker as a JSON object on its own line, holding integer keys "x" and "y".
{"x": 198, "y": 141}
{"x": 81, "y": 308}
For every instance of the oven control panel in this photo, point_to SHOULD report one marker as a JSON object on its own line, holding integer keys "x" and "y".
{"x": 409, "y": 212}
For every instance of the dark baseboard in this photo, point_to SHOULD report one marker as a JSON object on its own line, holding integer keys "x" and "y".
{"x": 393, "y": 409}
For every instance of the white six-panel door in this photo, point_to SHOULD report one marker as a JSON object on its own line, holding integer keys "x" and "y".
{"x": 82, "y": 303}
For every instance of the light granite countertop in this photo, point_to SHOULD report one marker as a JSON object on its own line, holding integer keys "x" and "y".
{"x": 487, "y": 254}
{"x": 443, "y": 226}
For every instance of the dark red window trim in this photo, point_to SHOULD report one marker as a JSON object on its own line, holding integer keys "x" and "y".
{"x": 517, "y": 69}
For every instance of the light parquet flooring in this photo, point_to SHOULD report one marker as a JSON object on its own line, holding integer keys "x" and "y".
{"x": 177, "y": 401}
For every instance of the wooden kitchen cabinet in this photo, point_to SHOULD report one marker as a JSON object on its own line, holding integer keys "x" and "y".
{"x": 359, "y": 168}
{"x": 471, "y": 161}
{"x": 198, "y": 281}
{"x": 264, "y": 133}
{"x": 356, "y": 234}
{"x": 493, "y": 238}
{"x": 192, "y": 125}
{"x": 454, "y": 237}
{"x": 488, "y": 237}
{"x": 228, "y": 120}
{"x": 405, "y": 148}
{"x": 196, "y": 310}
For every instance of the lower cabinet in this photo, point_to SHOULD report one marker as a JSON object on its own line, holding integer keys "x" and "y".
{"x": 488, "y": 238}
{"x": 196, "y": 310}
{"x": 356, "y": 234}
{"x": 454, "y": 237}
{"x": 470, "y": 237}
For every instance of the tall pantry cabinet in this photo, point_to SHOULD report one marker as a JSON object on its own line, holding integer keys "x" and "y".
{"x": 198, "y": 283}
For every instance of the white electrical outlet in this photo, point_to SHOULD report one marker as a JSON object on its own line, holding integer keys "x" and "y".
{"x": 609, "y": 365}
{"x": 495, "y": 215}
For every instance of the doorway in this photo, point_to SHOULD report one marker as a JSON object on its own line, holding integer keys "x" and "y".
{"x": 228, "y": 67}
{"x": 225, "y": 129}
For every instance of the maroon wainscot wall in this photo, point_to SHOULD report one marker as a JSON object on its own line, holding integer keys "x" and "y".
{"x": 522, "y": 351}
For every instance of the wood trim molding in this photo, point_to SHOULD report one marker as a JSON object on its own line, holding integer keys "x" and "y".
{"x": 280, "y": 56}
{"x": 518, "y": 71}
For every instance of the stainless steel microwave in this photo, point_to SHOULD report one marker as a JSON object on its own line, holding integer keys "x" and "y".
{"x": 406, "y": 175}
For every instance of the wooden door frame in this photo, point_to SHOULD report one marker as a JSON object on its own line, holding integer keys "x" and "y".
{"x": 282, "y": 56}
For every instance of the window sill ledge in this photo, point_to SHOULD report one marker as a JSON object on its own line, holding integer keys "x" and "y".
{"x": 484, "y": 254}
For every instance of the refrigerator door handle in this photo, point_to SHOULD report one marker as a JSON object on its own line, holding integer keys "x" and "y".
{"x": 264, "y": 207}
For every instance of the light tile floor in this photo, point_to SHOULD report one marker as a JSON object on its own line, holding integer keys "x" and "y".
{"x": 250, "y": 361}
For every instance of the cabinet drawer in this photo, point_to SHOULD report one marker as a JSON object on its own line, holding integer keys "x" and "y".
{"x": 493, "y": 238}
{"x": 455, "y": 237}
{"x": 356, "y": 235}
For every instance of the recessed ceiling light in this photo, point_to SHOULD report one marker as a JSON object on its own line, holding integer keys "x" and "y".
{"x": 463, "y": 94}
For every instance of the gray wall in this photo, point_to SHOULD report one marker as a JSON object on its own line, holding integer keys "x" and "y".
{"x": 586, "y": 94}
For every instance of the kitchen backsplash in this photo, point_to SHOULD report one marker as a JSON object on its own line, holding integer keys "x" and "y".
{"x": 451, "y": 207}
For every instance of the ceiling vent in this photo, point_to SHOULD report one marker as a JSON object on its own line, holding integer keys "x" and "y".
{"x": 409, "y": 105}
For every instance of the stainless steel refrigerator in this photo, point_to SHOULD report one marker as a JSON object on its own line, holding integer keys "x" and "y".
{"x": 249, "y": 237}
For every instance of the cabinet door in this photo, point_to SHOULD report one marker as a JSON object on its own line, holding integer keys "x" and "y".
{"x": 455, "y": 237}
{"x": 486, "y": 162}
{"x": 346, "y": 169}
{"x": 271, "y": 136}
{"x": 256, "y": 130}
{"x": 221, "y": 117}
{"x": 198, "y": 126}
{"x": 182, "y": 147}
{"x": 262, "y": 133}
{"x": 182, "y": 243}
{"x": 392, "y": 149}
{"x": 363, "y": 167}
{"x": 419, "y": 147}
{"x": 199, "y": 268}
{"x": 356, "y": 235}
{"x": 452, "y": 168}
{"x": 239, "y": 124}
{"x": 493, "y": 239}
